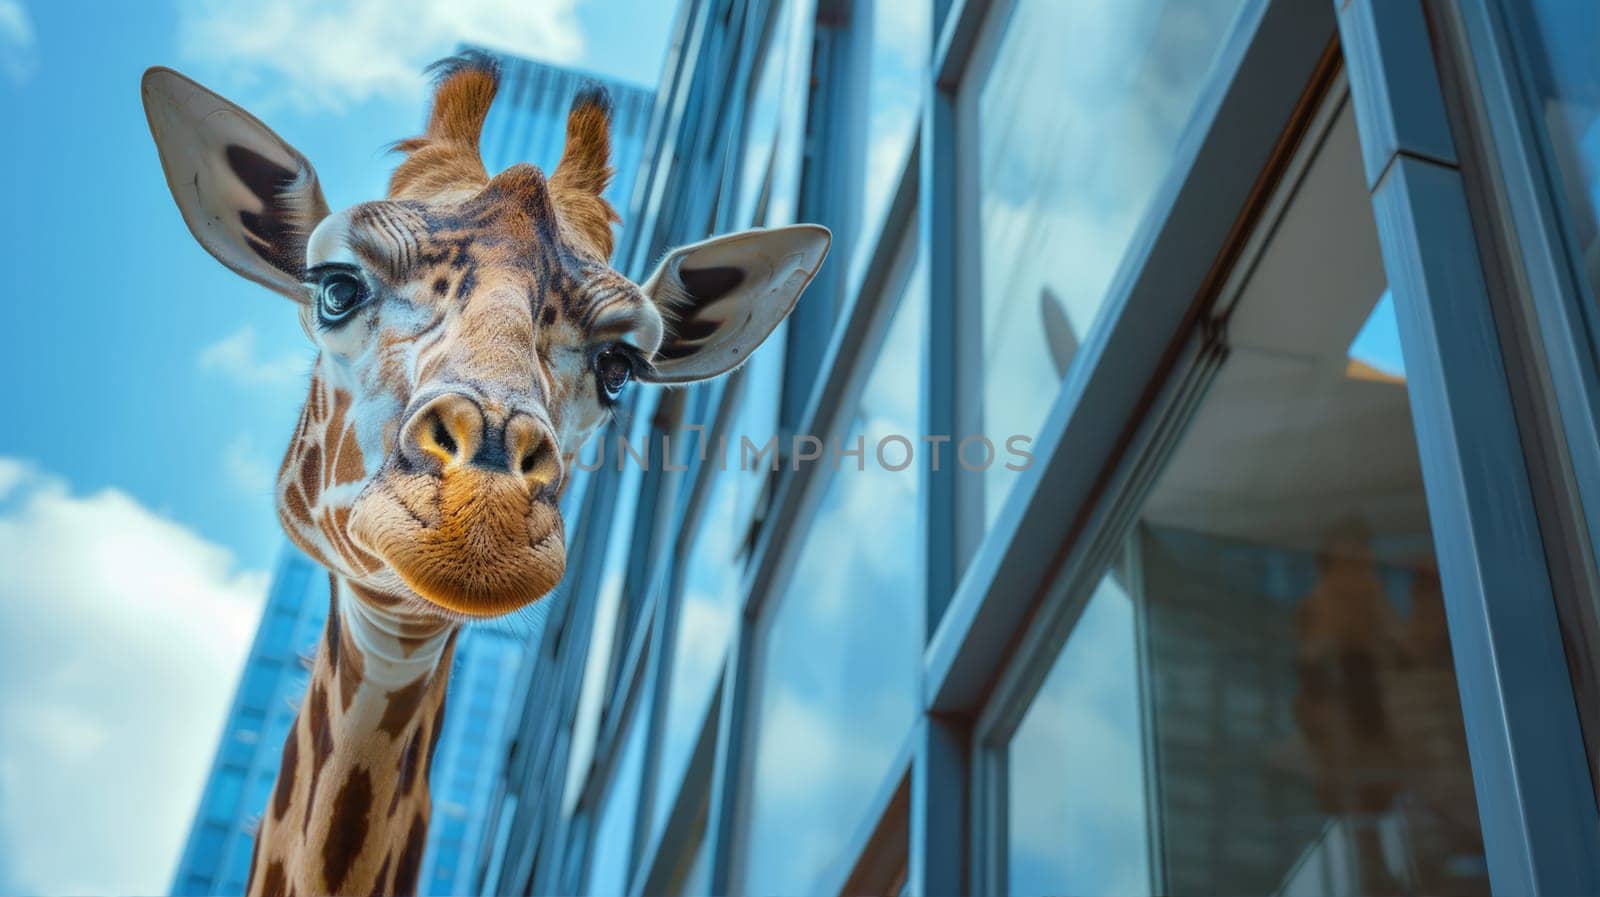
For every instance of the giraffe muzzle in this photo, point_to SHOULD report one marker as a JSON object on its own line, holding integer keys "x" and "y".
{"x": 465, "y": 510}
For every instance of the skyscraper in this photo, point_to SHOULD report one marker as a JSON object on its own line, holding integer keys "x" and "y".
{"x": 216, "y": 859}
{"x": 528, "y": 120}
{"x": 526, "y": 124}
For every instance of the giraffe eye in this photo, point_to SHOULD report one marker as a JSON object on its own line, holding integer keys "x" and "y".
{"x": 613, "y": 368}
{"x": 339, "y": 292}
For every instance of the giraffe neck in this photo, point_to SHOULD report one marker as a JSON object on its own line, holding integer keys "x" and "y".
{"x": 349, "y": 812}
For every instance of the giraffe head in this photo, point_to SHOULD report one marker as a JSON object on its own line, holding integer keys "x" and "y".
{"x": 470, "y": 331}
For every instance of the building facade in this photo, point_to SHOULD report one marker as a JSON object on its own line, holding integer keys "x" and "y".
{"x": 1257, "y": 339}
{"x": 526, "y": 124}
{"x": 216, "y": 858}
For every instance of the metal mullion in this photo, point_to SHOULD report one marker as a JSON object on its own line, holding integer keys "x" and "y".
{"x": 1515, "y": 186}
{"x": 1535, "y": 798}
{"x": 1278, "y": 48}
{"x": 938, "y": 860}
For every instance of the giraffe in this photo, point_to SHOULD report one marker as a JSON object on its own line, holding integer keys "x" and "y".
{"x": 470, "y": 335}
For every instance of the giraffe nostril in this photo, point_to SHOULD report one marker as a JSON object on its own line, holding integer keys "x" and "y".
{"x": 533, "y": 447}
{"x": 444, "y": 432}
{"x": 441, "y": 435}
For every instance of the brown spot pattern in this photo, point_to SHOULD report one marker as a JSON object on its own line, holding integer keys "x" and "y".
{"x": 379, "y": 882}
{"x": 273, "y": 884}
{"x": 294, "y": 500}
{"x": 347, "y": 829}
{"x": 401, "y": 706}
{"x": 286, "y": 771}
{"x": 410, "y": 862}
{"x": 310, "y": 471}
{"x": 333, "y": 633}
{"x": 353, "y": 671}
{"x": 321, "y": 744}
{"x": 433, "y": 738}
{"x": 351, "y": 466}
{"x": 410, "y": 759}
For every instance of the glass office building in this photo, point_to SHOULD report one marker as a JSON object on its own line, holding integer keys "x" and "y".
{"x": 526, "y": 123}
{"x": 216, "y": 858}
{"x": 1258, "y": 342}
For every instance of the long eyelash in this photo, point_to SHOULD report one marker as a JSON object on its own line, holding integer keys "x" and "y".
{"x": 637, "y": 364}
{"x": 642, "y": 368}
{"x": 313, "y": 274}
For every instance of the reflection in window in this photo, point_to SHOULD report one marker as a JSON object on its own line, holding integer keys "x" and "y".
{"x": 1087, "y": 833}
{"x": 1300, "y": 728}
{"x": 714, "y": 571}
{"x": 783, "y": 184}
{"x": 774, "y": 118}
{"x": 1076, "y": 124}
{"x": 691, "y": 874}
{"x": 1564, "y": 70}
{"x": 608, "y": 602}
{"x": 899, "y": 53}
{"x": 612, "y": 857}
{"x": 837, "y": 672}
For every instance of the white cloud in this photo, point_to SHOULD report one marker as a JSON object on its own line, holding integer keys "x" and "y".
{"x": 251, "y": 472}
{"x": 236, "y": 356}
{"x": 121, "y": 637}
{"x": 12, "y": 473}
{"x": 18, "y": 44}
{"x": 328, "y": 55}
{"x": 1077, "y": 819}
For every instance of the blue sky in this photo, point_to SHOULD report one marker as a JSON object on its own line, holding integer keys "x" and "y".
{"x": 152, "y": 391}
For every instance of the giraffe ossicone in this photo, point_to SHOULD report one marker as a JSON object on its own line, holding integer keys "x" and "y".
{"x": 470, "y": 335}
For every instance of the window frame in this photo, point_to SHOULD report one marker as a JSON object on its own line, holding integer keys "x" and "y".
{"x": 1514, "y": 184}
{"x": 1257, "y": 84}
{"x": 1112, "y": 526}
{"x": 877, "y": 291}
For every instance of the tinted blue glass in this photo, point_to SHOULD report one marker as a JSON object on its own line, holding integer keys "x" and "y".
{"x": 838, "y": 666}
{"x": 1076, "y": 122}
{"x": 1559, "y": 42}
{"x": 608, "y": 603}
{"x": 261, "y": 683}
{"x": 211, "y": 840}
{"x": 1261, "y": 695}
{"x": 222, "y": 800}
{"x": 898, "y": 58}
{"x": 1087, "y": 832}
{"x": 714, "y": 571}
{"x": 611, "y": 860}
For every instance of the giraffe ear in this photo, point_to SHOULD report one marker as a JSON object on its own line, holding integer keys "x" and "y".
{"x": 722, "y": 297}
{"x": 248, "y": 197}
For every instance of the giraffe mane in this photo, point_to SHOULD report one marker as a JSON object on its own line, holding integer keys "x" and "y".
{"x": 445, "y": 158}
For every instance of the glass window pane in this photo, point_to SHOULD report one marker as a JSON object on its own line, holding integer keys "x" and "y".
{"x": 1076, "y": 124}
{"x": 783, "y": 190}
{"x": 1564, "y": 70}
{"x": 774, "y": 113}
{"x": 1088, "y": 832}
{"x": 1276, "y": 620}
{"x": 691, "y": 872}
{"x": 714, "y": 571}
{"x": 837, "y": 670}
{"x": 227, "y": 786}
{"x": 898, "y": 55}
{"x": 611, "y": 857}
{"x": 608, "y": 601}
